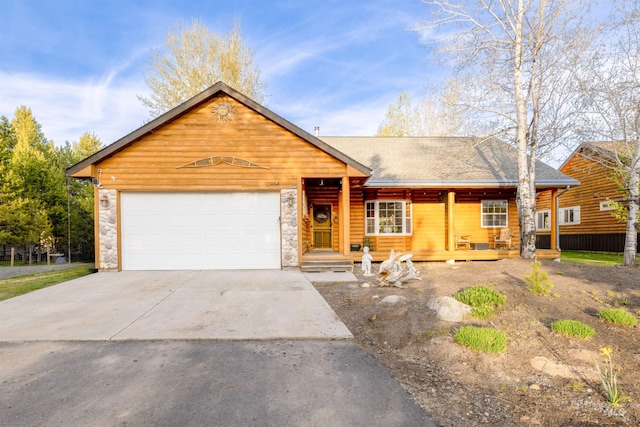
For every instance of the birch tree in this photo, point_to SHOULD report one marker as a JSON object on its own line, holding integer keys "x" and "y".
{"x": 513, "y": 55}
{"x": 609, "y": 79}
{"x": 194, "y": 59}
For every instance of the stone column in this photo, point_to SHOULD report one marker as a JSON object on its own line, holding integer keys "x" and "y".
{"x": 289, "y": 227}
{"x": 108, "y": 229}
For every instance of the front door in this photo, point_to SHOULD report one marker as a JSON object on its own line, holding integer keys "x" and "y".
{"x": 322, "y": 227}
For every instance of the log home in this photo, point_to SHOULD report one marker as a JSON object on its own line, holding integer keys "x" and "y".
{"x": 221, "y": 182}
{"x": 585, "y": 220}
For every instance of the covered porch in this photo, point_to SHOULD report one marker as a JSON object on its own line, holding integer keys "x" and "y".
{"x": 440, "y": 218}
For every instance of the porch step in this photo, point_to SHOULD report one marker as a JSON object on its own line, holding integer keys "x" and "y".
{"x": 335, "y": 265}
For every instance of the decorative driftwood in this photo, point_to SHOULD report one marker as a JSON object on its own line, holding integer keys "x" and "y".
{"x": 397, "y": 270}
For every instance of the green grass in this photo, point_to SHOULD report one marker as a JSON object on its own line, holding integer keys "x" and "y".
{"x": 15, "y": 286}
{"x": 592, "y": 258}
{"x": 482, "y": 299}
{"x": 619, "y": 316}
{"x": 482, "y": 339}
{"x": 573, "y": 328}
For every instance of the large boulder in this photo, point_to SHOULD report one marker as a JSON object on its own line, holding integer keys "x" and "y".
{"x": 393, "y": 299}
{"x": 449, "y": 309}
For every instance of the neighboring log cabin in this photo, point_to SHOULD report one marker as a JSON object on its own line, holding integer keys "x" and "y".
{"x": 221, "y": 182}
{"x": 584, "y": 213}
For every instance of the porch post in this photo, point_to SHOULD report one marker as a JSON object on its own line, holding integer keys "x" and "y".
{"x": 451, "y": 200}
{"x": 554, "y": 220}
{"x": 300, "y": 214}
{"x": 345, "y": 221}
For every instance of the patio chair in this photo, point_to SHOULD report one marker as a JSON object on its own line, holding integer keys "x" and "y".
{"x": 463, "y": 241}
{"x": 503, "y": 240}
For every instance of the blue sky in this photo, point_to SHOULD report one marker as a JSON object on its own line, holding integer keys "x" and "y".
{"x": 79, "y": 64}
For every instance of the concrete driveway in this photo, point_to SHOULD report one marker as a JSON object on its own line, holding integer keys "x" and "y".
{"x": 190, "y": 348}
{"x": 145, "y": 305}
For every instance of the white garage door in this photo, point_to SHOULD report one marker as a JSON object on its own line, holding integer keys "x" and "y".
{"x": 194, "y": 231}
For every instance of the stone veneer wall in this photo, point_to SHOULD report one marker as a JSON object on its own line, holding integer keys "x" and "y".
{"x": 108, "y": 229}
{"x": 289, "y": 227}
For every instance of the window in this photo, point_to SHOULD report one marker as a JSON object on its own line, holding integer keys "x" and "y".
{"x": 543, "y": 220}
{"x": 494, "y": 213}
{"x": 570, "y": 215}
{"x": 607, "y": 206}
{"x": 388, "y": 217}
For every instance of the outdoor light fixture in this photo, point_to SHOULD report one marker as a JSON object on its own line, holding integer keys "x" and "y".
{"x": 104, "y": 201}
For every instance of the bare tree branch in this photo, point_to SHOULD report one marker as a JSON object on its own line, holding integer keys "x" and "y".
{"x": 513, "y": 56}
{"x": 609, "y": 82}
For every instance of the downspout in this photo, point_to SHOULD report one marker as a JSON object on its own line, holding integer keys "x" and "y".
{"x": 557, "y": 230}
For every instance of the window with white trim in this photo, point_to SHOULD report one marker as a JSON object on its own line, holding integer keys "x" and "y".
{"x": 494, "y": 213}
{"x": 543, "y": 220}
{"x": 388, "y": 217}
{"x": 569, "y": 216}
{"x": 607, "y": 206}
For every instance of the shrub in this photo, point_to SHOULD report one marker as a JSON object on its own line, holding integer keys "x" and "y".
{"x": 573, "y": 328}
{"x": 538, "y": 280}
{"x": 619, "y": 316}
{"x": 482, "y": 299}
{"x": 482, "y": 339}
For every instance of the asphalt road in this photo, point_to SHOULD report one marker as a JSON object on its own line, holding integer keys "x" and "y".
{"x": 199, "y": 383}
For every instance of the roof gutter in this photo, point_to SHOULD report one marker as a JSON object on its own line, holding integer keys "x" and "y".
{"x": 381, "y": 183}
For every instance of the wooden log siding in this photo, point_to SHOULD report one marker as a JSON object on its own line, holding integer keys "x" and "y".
{"x": 152, "y": 163}
{"x": 468, "y": 212}
{"x": 598, "y": 230}
{"x": 595, "y": 187}
{"x": 429, "y": 220}
{"x": 429, "y": 217}
{"x": 357, "y": 215}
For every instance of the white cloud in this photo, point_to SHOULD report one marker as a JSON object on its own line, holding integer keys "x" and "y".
{"x": 66, "y": 109}
{"x": 284, "y": 62}
{"x": 357, "y": 118}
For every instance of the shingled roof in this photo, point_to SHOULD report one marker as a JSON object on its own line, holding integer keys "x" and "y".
{"x": 603, "y": 151}
{"x": 442, "y": 162}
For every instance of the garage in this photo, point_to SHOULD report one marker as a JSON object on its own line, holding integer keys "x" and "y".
{"x": 215, "y": 183}
{"x": 200, "y": 231}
